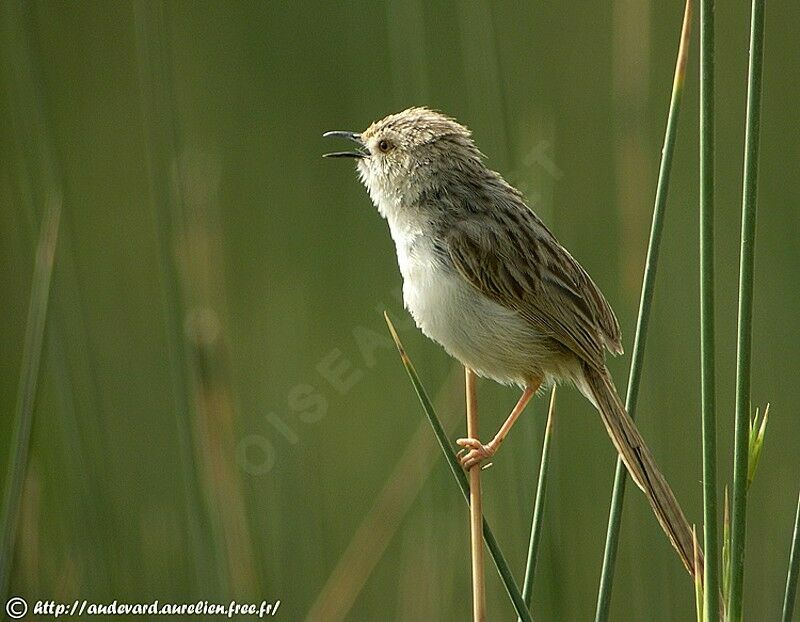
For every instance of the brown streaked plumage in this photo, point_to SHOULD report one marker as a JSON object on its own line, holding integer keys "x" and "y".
{"x": 485, "y": 278}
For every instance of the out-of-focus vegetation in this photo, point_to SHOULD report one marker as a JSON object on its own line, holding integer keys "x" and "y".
{"x": 220, "y": 413}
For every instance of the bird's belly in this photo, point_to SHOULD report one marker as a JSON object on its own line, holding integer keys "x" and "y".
{"x": 490, "y": 339}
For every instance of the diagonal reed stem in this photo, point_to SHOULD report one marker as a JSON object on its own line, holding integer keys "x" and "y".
{"x": 745, "y": 330}
{"x": 645, "y": 304}
{"x": 499, "y": 559}
{"x": 794, "y": 569}
{"x": 538, "y": 507}
{"x": 707, "y": 367}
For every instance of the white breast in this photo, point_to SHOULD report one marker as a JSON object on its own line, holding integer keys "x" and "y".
{"x": 492, "y": 340}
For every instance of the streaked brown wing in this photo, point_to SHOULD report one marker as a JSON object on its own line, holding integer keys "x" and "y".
{"x": 540, "y": 280}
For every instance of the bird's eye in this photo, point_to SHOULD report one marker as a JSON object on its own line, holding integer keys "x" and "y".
{"x": 384, "y": 146}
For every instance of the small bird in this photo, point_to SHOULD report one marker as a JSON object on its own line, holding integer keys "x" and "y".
{"x": 487, "y": 280}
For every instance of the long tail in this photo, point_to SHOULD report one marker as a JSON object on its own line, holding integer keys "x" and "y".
{"x": 642, "y": 467}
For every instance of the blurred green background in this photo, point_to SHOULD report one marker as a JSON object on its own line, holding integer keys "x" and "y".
{"x": 219, "y": 412}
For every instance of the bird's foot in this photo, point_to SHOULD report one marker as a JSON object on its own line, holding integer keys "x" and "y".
{"x": 476, "y": 452}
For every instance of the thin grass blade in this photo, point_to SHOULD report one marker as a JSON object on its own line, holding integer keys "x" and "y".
{"x": 461, "y": 479}
{"x": 726, "y": 553}
{"x": 756, "y": 442}
{"x": 538, "y": 507}
{"x": 645, "y": 304}
{"x": 794, "y": 569}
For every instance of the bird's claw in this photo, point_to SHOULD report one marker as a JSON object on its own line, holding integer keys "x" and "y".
{"x": 477, "y": 452}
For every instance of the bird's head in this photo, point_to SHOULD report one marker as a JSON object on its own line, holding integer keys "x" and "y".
{"x": 408, "y": 152}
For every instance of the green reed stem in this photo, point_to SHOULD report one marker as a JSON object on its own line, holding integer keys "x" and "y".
{"x": 538, "y": 507}
{"x": 744, "y": 341}
{"x": 645, "y": 304}
{"x": 794, "y": 569}
{"x": 461, "y": 479}
{"x": 707, "y": 366}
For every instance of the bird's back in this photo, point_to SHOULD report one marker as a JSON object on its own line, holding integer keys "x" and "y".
{"x": 495, "y": 288}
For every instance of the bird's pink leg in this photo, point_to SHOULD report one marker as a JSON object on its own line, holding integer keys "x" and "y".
{"x": 477, "y": 450}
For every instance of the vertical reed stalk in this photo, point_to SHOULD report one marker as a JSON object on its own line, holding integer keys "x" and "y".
{"x": 538, "y": 507}
{"x": 645, "y": 304}
{"x": 707, "y": 366}
{"x": 745, "y": 330}
{"x": 475, "y": 505}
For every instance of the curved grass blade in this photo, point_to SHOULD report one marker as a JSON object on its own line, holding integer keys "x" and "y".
{"x": 500, "y": 562}
{"x": 794, "y": 570}
{"x": 756, "y": 444}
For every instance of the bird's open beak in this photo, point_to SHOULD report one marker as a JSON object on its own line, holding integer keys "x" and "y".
{"x": 356, "y": 138}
